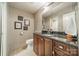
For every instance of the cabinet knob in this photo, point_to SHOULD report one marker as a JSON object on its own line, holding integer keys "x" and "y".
{"x": 53, "y": 53}
{"x": 60, "y": 47}
{"x": 41, "y": 39}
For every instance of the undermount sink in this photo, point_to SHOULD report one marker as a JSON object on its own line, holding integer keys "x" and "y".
{"x": 54, "y": 35}
{"x": 47, "y": 35}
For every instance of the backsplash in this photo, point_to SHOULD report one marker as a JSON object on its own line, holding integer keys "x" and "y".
{"x": 54, "y": 32}
{"x": 61, "y": 34}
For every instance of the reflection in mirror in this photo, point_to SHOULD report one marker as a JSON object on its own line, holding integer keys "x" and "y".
{"x": 63, "y": 19}
{"x": 69, "y": 24}
{"x": 54, "y": 24}
{"x": 54, "y": 18}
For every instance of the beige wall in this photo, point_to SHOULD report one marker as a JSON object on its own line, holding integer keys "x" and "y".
{"x": 14, "y": 39}
{"x": 38, "y": 21}
{"x": 0, "y": 26}
{"x": 77, "y": 20}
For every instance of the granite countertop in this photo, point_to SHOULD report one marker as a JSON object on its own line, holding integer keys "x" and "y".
{"x": 59, "y": 38}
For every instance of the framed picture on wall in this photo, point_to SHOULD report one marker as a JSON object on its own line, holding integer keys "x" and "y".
{"x": 25, "y": 28}
{"x": 26, "y": 22}
{"x": 20, "y": 18}
{"x": 18, "y": 25}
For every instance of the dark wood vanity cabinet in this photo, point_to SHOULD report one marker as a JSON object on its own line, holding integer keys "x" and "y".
{"x": 61, "y": 49}
{"x": 48, "y": 47}
{"x": 44, "y": 46}
{"x": 73, "y": 51}
{"x": 41, "y": 46}
{"x": 38, "y": 45}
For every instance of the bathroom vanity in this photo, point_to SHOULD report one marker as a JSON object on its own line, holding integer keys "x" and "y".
{"x": 52, "y": 45}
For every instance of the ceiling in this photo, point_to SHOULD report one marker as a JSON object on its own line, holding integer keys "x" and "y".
{"x": 56, "y": 7}
{"x": 31, "y": 7}
{"x": 49, "y": 7}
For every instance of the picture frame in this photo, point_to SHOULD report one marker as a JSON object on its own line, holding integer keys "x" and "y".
{"x": 26, "y": 22}
{"x": 25, "y": 28}
{"x": 20, "y": 18}
{"x": 17, "y": 25}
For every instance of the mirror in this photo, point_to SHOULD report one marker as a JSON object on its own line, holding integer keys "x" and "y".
{"x": 69, "y": 23}
{"x": 54, "y": 17}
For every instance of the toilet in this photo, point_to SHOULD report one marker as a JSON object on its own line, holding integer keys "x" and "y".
{"x": 29, "y": 42}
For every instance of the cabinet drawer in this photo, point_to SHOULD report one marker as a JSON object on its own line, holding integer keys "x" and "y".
{"x": 59, "y": 53}
{"x": 61, "y": 46}
{"x": 65, "y": 48}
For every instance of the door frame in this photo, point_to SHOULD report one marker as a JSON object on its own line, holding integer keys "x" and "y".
{"x": 4, "y": 29}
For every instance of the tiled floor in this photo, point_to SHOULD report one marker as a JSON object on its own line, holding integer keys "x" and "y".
{"x": 26, "y": 52}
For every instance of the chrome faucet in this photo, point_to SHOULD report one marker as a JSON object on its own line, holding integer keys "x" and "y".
{"x": 48, "y": 31}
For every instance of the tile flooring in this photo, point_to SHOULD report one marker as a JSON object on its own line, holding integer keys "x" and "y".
{"x": 26, "y": 52}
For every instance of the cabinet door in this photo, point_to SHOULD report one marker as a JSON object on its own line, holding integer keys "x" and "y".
{"x": 48, "y": 47}
{"x": 41, "y": 47}
{"x": 36, "y": 44}
{"x": 73, "y": 51}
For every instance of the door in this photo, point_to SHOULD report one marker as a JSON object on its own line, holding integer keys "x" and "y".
{"x": 0, "y": 28}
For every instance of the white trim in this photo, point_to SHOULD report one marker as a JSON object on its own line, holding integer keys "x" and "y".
{"x": 4, "y": 29}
